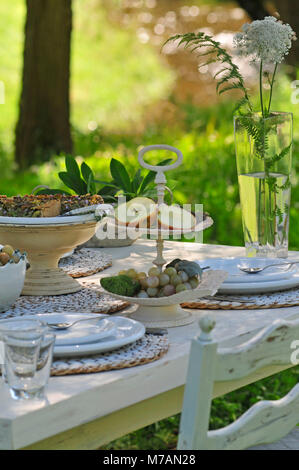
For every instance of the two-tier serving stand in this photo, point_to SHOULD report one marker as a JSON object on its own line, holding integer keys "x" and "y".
{"x": 166, "y": 311}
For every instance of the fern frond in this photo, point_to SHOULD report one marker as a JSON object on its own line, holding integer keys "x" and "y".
{"x": 205, "y": 45}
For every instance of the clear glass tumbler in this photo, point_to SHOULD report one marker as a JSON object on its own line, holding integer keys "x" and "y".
{"x": 28, "y": 359}
{"x": 17, "y": 325}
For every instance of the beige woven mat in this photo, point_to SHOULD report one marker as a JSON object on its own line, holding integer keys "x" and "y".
{"x": 85, "y": 262}
{"x": 148, "y": 349}
{"x": 89, "y": 299}
{"x": 287, "y": 298}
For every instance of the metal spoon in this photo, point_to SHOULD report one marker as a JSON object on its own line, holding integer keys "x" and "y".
{"x": 66, "y": 325}
{"x": 254, "y": 270}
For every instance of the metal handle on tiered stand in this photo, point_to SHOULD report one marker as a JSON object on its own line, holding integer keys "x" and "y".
{"x": 160, "y": 181}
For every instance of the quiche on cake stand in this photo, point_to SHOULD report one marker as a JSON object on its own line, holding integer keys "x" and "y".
{"x": 46, "y": 235}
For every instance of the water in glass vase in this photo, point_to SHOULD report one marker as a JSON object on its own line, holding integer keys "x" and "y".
{"x": 265, "y": 200}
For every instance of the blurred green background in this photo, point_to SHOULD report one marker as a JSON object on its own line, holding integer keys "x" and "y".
{"x": 127, "y": 92}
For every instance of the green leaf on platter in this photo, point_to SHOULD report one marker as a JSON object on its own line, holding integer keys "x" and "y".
{"x": 120, "y": 175}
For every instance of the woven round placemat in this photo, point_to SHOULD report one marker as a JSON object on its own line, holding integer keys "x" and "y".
{"x": 287, "y": 298}
{"x": 150, "y": 348}
{"x": 85, "y": 262}
{"x": 90, "y": 299}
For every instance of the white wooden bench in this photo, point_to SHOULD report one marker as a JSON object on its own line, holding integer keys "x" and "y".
{"x": 266, "y": 421}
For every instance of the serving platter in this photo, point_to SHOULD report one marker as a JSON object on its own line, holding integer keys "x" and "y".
{"x": 166, "y": 311}
{"x": 133, "y": 232}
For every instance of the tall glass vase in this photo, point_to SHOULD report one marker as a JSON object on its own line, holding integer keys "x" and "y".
{"x": 264, "y": 158}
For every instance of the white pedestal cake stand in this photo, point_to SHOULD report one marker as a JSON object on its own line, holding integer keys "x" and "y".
{"x": 45, "y": 240}
{"x": 166, "y": 311}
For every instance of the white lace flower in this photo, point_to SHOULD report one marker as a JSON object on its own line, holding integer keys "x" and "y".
{"x": 268, "y": 40}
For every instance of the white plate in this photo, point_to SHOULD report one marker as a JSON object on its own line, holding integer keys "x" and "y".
{"x": 71, "y": 219}
{"x": 259, "y": 287}
{"x": 126, "y": 331}
{"x": 236, "y": 276}
{"x": 85, "y": 332}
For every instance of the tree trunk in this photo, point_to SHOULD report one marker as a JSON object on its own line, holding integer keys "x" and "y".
{"x": 255, "y": 8}
{"x": 43, "y": 126}
{"x": 289, "y": 13}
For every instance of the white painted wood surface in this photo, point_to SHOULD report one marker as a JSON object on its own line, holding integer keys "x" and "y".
{"x": 263, "y": 423}
{"x": 271, "y": 345}
{"x": 89, "y": 402}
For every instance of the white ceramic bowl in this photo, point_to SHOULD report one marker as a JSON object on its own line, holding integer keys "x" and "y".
{"x": 12, "y": 277}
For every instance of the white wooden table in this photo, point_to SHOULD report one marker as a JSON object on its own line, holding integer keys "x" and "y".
{"x": 87, "y": 411}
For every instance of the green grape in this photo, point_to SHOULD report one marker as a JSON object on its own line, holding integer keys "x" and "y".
{"x": 152, "y": 291}
{"x": 187, "y": 285}
{"x": 184, "y": 276}
{"x": 132, "y": 273}
{"x": 168, "y": 290}
{"x": 141, "y": 275}
{"x": 170, "y": 271}
{"x": 180, "y": 288}
{"x": 154, "y": 271}
{"x": 153, "y": 281}
{"x": 194, "y": 282}
{"x": 142, "y": 294}
{"x": 143, "y": 282}
{"x": 175, "y": 280}
{"x": 122, "y": 272}
{"x": 164, "y": 279}
{"x": 161, "y": 293}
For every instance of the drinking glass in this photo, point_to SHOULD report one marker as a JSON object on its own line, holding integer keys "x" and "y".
{"x": 264, "y": 162}
{"x": 28, "y": 358}
{"x": 17, "y": 325}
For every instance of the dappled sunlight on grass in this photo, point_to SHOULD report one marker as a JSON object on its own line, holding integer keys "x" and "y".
{"x": 113, "y": 76}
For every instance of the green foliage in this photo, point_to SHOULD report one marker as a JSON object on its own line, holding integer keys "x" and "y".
{"x": 78, "y": 179}
{"x": 81, "y": 180}
{"x": 229, "y": 76}
{"x": 122, "y": 183}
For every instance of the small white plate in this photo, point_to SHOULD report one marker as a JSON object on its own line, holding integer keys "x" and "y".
{"x": 84, "y": 332}
{"x": 126, "y": 331}
{"x": 237, "y": 276}
{"x": 259, "y": 287}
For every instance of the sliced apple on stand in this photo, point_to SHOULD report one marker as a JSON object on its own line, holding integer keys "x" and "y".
{"x": 176, "y": 218}
{"x": 140, "y": 212}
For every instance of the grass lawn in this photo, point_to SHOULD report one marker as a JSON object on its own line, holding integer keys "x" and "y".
{"x": 121, "y": 93}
